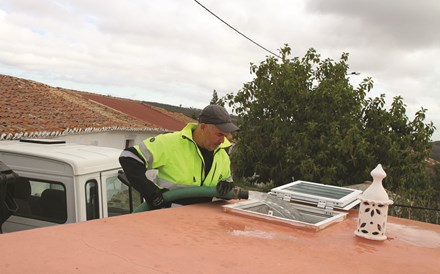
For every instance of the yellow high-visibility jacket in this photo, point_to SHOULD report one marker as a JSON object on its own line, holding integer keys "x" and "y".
{"x": 179, "y": 161}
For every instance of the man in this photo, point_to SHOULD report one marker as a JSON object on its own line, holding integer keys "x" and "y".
{"x": 194, "y": 156}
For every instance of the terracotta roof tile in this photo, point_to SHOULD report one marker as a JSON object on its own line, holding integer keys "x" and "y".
{"x": 28, "y": 107}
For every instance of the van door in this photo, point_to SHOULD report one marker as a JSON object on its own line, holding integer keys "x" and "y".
{"x": 118, "y": 198}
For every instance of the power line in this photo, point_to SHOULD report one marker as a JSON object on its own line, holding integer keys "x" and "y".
{"x": 418, "y": 207}
{"x": 237, "y": 30}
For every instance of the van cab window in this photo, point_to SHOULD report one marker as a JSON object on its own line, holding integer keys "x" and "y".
{"x": 41, "y": 200}
{"x": 121, "y": 199}
{"x": 92, "y": 200}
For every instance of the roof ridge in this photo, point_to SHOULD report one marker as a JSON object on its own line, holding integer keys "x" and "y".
{"x": 69, "y": 131}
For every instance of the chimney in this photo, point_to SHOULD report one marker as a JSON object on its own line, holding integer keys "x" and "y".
{"x": 373, "y": 211}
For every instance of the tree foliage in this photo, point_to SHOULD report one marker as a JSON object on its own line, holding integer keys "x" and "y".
{"x": 302, "y": 118}
{"x": 214, "y": 100}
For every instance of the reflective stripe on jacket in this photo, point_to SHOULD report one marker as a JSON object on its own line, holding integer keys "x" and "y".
{"x": 179, "y": 161}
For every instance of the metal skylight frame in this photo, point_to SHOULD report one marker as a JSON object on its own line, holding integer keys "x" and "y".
{"x": 314, "y": 202}
{"x": 314, "y": 218}
{"x": 315, "y": 193}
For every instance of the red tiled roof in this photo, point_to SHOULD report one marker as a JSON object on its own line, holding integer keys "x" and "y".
{"x": 152, "y": 115}
{"x": 29, "y": 108}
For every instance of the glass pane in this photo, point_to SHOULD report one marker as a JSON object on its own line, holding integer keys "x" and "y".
{"x": 118, "y": 200}
{"x": 92, "y": 200}
{"x": 304, "y": 216}
{"x": 40, "y": 200}
{"x": 319, "y": 190}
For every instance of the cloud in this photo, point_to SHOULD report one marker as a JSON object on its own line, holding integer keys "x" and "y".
{"x": 403, "y": 24}
{"x": 175, "y": 52}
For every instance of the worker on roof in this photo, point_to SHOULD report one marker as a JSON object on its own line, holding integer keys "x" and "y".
{"x": 195, "y": 156}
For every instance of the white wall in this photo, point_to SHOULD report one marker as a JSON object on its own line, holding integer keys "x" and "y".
{"x": 115, "y": 139}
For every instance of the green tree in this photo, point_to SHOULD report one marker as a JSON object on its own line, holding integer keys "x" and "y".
{"x": 215, "y": 100}
{"x": 302, "y": 118}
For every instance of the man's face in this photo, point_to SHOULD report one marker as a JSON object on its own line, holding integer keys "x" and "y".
{"x": 213, "y": 136}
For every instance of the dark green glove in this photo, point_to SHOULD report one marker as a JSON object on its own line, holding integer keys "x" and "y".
{"x": 223, "y": 187}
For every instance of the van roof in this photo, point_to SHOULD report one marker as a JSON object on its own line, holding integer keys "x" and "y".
{"x": 82, "y": 158}
{"x": 202, "y": 238}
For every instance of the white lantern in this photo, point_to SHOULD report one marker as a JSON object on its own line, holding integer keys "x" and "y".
{"x": 373, "y": 211}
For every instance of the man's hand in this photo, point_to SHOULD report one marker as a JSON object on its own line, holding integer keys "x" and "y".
{"x": 223, "y": 187}
{"x": 156, "y": 200}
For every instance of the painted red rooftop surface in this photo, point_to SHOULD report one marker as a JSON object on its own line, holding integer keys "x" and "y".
{"x": 204, "y": 239}
{"x": 141, "y": 111}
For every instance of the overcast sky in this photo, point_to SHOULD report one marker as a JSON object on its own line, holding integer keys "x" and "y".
{"x": 175, "y": 52}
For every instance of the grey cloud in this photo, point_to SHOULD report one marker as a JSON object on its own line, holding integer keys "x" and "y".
{"x": 403, "y": 23}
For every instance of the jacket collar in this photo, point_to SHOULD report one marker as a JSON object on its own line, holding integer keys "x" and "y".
{"x": 187, "y": 132}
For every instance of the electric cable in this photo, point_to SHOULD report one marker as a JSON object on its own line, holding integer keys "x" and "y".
{"x": 276, "y": 55}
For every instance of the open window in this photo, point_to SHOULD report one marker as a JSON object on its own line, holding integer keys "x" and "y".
{"x": 122, "y": 198}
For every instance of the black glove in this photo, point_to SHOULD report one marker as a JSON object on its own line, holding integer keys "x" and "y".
{"x": 223, "y": 187}
{"x": 156, "y": 200}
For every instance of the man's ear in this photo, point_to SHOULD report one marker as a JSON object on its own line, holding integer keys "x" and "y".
{"x": 203, "y": 126}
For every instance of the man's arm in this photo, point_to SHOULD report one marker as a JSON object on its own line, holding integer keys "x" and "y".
{"x": 135, "y": 172}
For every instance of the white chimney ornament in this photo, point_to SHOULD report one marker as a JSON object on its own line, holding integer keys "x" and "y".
{"x": 373, "y": 211}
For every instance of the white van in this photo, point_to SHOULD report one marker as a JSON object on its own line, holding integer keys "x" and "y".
{"x": 64, "y": 183}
